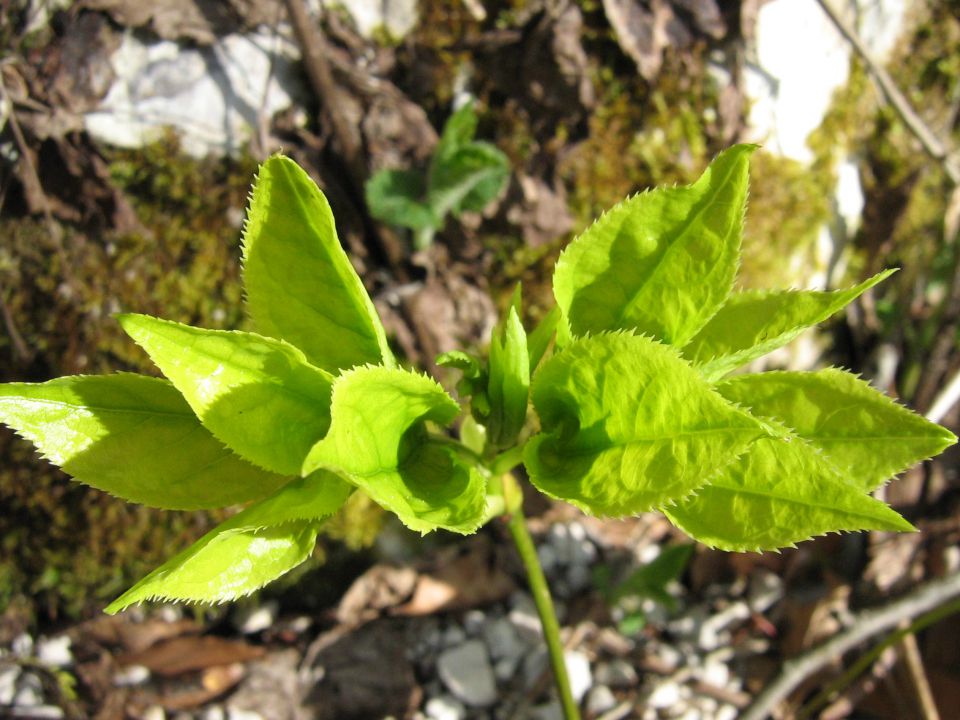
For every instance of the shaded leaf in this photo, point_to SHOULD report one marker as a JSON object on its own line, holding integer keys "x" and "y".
{"x": 134, "y": 437}
{"x": 249, "y": 550}
{"x": 628, "y": 425}
{"x": 299, "y": 283}
{"x": 397, "y": 197}
{"x": 867, "y": 435}
{"x": 378, "y": 441}
{"x": 661, "y": 262}
{"x": 782, "y": 491}
{"x": 257, "y": 395}
{"x": 755, "y": 322}
{"x": 467, "y": 180}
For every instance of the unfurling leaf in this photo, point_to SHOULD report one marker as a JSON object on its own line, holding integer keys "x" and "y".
{"x": 134, "y": 437}
{"x": 782, "y": 491}
{"x": 755, "y": 322}
{"x": 247, "y": 551}
{"x": 258, "y": 396}
{"x": 628, "y": 425}
{"x": 299, "y": 282}
{"x": 660, "y": 263}
{"x": 509, "y": 382}
{"x": 868, "y": 436}
{"x": 378, "y": 440}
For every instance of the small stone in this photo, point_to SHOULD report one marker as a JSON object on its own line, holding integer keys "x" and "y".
{"x": 466, "y": 672}
{"x": 238, "y": 714}
{"x": 154, "y": 712}
{"x": 453, "y": 635}
{"x": 600, "y": 699}
{"x": 766, "y": 588}
{"x": 559, "y": 539}
{"x": 8, "y": 683}
{"x": 22, "y": 645}
{"x": 726, "y": 712}
{"x": 715, "y": 673}
{"x": 445, "y": 707}
{"x": 215, "y": 712}
{"x": 665, "y": 695}
{"x": 579, "y": 577}
{"x": 55, "y": 651}
{"x": 252, "y": 619}
{"x": 547, "y": 556}
{"x": 505, "y": 668}
{"x": 41, "y": 712}
{"x": 534, "y": 665}
{"x": 549, "y": 711}
{"x": 503, "y": 640}
{"x": 523, "y": 616}
{"x": 578, "y": 669}
{"x": 170, "y": 613}
{"x": 29, "y": 691}
{"x": 131, "y": 675}
{"x": 474, "y": 622}
{"x": 617, "y": 673}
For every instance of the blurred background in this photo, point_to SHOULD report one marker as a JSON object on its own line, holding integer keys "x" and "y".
{"x": 130, "y": 133}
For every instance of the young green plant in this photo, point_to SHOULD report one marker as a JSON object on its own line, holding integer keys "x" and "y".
{"x": 633, "y": 408}
{"x": 464, "y": 175}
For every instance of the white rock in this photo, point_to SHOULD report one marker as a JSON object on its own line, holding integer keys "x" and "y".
{"x": 445, "y": 707}
{"x": 215, "y": 712}
{"x": 395, "y": 17}
{"x": 578, "y": 669}
{"x": 600, "y": 699}
{"x": 131, "y": 675}
{"x": 55, "y": 651}
{"x": 40, "y": 712}
{"x": 503, "y": 640}
{"x": 154, "y": 712}
{"x": 8, "y": 683}
{"x": 616, "y": 673}
{"x": 665, "y": 695}
{"x": 22, "y": 645}
{"x": 712, "y": 633}
{"x": 466, "y": 672}
{"x": 29, "y": 691}
{"x": 252, "y": 619}
{"x": 671, "y": 656}
{"x": 208, "y": 95}
{"x": 715, "y": 673}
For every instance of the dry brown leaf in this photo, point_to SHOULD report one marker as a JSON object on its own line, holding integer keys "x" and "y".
{"x": 379, "y": 588}
{"x": 185, "y": 654}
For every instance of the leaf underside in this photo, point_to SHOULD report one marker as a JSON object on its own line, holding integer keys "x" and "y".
{"x": 628, "y": 425}
{"x": 134, "y": 437}
{"x": 378, "y": 441}
{"x": 782, "y": 491}
{"x": 756, "y": 322}
{"x": 257, "y": 395}
{"x": 247, "y": 551}
{"x": 660, "y": 263}
{"x": 299, "y": 282}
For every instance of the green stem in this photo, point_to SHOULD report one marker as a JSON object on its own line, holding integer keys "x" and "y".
{"x": 541, "y": 595}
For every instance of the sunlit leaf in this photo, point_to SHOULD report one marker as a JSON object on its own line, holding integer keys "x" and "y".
{"x": 134, "y": 437}
{"x": 257, "y": 395}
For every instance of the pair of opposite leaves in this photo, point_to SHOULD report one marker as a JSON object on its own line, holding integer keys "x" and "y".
{"x": 629, "y": 424}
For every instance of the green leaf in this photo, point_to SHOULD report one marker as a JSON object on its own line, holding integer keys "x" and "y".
{"x": 755, "y": 322}
{"x": 867, "y": 435}
{"x": 540, "y": 338}
{"x": 628, "y": 425}
{"x": 397, "y": 197}
{"x": 458, "y": 131}
{"x": 300, "y": 284}
{"x": 247, "y": 551}
{"x": 378, "y": 441}
{"x": 134, "y": 437}
{"x": 661, "y": 262}
{"x": 258, "y": 396}
{"x": 467, "y": 180}
{"x": 782, "y": 491}
{"x": 509, "y": 384}
{"x": 652, "y": 579}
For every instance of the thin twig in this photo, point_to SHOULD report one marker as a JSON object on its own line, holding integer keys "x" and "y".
{"x": 932, "y": 144}
{"x": 866, "y": 624}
